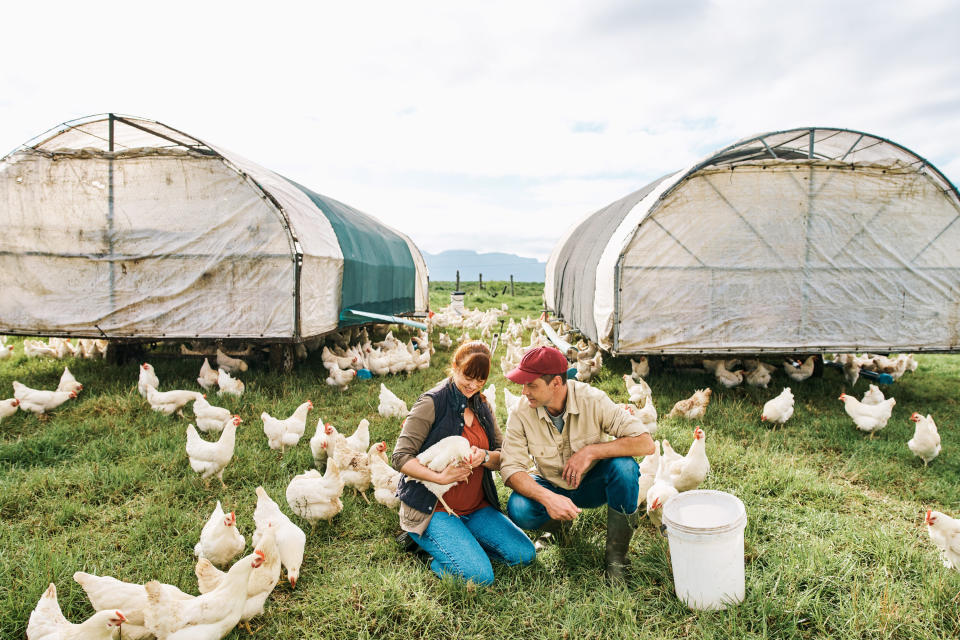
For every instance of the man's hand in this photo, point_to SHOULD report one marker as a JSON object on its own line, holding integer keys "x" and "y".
{"x": 576, "y": 466}
{"x": 560, "y": 507}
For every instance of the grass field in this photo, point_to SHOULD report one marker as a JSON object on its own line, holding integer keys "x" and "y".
{"x": 835, "y": 541}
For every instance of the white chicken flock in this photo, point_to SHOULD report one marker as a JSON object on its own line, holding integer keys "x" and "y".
{"x": 238, "y": 595}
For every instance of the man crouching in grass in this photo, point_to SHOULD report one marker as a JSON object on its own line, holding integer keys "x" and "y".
{"x": 562, "y": 427}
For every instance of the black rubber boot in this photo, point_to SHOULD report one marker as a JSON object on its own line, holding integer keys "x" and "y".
{"x": 620, "y": 528}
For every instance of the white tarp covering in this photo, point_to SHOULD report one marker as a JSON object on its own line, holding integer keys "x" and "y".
{"x": 771, "y": 256}
{"x": 126, "y": 227}
{"x": 792, "y": 241}
{"x": 195, "y": 250}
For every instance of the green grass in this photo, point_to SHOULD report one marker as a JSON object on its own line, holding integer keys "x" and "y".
{"x": 835, "y": 543}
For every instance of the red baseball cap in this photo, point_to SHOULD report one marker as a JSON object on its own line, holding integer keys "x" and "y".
{"x": 537, "y": 362}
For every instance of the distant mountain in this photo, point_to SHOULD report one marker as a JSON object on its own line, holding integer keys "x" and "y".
{"x": 493, "y": 266}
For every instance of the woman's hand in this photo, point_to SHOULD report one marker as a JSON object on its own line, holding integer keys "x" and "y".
{"x": 476, "y": 456}
{"x": 454, "y": 473}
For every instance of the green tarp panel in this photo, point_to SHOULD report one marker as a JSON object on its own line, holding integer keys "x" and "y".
{"x": 379, "y": 275}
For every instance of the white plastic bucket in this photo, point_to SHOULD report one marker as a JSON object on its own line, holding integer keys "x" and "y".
{"x": 705, "y": 530}
{"x": 456, "y": 301}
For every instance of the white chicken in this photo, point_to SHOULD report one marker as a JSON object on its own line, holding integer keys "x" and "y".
{"x": 638, "y": 391}
{"x": 390, "y": 405}
{"x": 287, "y": 432}
{"x": 332, "y": 360}
{"x": 758, "y": 373}
{"x": 448, "y": 451}
{"x": 385, "y": 478}
{"x": 318, "y": 444}
{"x": 648, "y": 471}
{"x": 316, "y": 497}
{"x": 6, "y": 351}
{"x": 925, "y": 443}
{"x": 211, "y": 458}
{"x": 353, "y": 465}
{"x": 659, "y": 493}
{"x": 107, "y": 593}
{"x": 669, "y": 454}
{"x": 220, "y": 541}
{"x": 39, "y": 401}
{"x": 648, "y": 415}
{"x": 228, "y": 385}
{"x": 8, "y": 407}
{"x": 232, "y": 365}
{"x": 170, "y": 402}
{"x": 148, "y": 378}
{"x": 261, "y": 582}
{"x": 340, "y": 378}
{"x": 778, "y": 410}
{"x": 38, "y": 349}
{"x": 444, "y": 341}
{"x": 47, "y": 622}
{"x": 511, "y": 401}
{"x": 801, "y": 373}
{"x": 640, "y": 367}
{"x": 851, "y": 369}
{"x": 359, "y": 440}
{"x": 490, "y": 393}
{"x": 873, "y": 395}
{"x": 727, "y": 378}
{"x": 210, "y": 616}
{"x": 68, "y": 382}
{"x": 290, "y": 538}
{"x": 945, "y": 533}
{"x": 208, "y": 375}
{"x": 210, "y": 419}
{"x": 689, "y": 471}
{"x": 693, "y": 407}
{"x": 869, "y": 418}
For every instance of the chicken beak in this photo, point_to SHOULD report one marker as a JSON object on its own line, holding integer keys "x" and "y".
{"x": 293, "y": 582}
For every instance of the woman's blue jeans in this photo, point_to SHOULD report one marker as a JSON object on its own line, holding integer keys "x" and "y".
{"x": 613, "y": 481}
{"x": 464, "y": 546}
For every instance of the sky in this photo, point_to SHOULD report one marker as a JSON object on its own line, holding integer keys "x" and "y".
{"x": 491, "y": 126}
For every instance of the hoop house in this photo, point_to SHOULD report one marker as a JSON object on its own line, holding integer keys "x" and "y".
{"x": 127, "y": 228}
{"x": 794, "y": 241}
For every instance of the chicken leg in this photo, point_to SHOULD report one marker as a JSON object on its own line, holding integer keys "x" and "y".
{"x": 447, "y": 507}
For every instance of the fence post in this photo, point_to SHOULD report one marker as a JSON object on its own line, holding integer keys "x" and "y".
{"x": 458, "y": 281}
{"x": 481, "y": 281}
{"x": 511, "y": 284}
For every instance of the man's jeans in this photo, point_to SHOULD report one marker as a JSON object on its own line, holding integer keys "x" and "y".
{"x": 613, "y": 481}
{"x": 463, "y": 546}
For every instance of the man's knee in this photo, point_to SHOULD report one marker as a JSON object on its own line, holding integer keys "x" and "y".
{"x": 623, "y": 470}
{"x": 526, "y": 513}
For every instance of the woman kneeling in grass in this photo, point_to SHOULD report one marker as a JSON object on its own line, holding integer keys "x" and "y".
{"x": 462, "y": 545}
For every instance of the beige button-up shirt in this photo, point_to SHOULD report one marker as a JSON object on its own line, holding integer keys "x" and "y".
{"x": 588, "y": 417}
